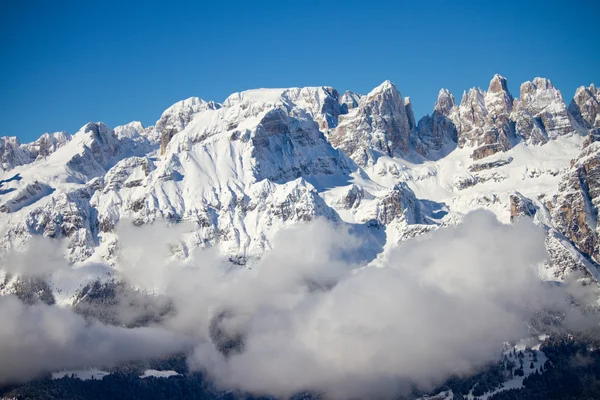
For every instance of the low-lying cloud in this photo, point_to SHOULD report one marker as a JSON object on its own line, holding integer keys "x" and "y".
{"x": 40, "y": 338}
{"x": 305, "y": 317}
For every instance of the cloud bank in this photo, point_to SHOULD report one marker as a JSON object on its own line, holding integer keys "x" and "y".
{"x": 41, "y": 338}
{"x": 305, "y": 317}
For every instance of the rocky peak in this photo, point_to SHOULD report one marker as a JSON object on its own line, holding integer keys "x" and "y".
{"x": 438, "y": 130}
{"x": 483, "y": 119}
{"x": 472, "y": 115}
{"x": 585, "y": 107}
{"x": 378, "y": 126}
{"x": 176, "y": 117}
{"x": 349, "y": 100}
{"x": 498, "y": 84}
{"x": 494, "y": 121}
{"x": 445, "y": 102}
{"x": 498, "y": 99}
{"x": 545, "y": 103}
{"x": 520, "y": 206}
{"x": 10, "y": 154}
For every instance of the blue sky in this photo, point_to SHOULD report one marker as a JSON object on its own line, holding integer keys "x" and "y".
{"x": 64, "y": 63}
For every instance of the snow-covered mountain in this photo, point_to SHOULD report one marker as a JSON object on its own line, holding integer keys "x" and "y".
{"x": 266, "y": 159}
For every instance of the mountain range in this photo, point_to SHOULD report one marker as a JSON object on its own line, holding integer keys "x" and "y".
{"x": 240, "y": 171}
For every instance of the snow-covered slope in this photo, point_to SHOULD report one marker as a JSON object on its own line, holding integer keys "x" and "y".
{"x": 265, "y": 159}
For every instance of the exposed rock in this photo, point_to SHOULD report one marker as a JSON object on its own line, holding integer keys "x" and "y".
{"x": 531, "y": 129}
{"x": 487, "y": 150}
{"x": 439, "y": 130}
{"x": 354, "y": 197}
{"x": 297, "y": 141}
{"x": 585, "y": 107}
{"x": 10, "y": 153}
{"x": 378, "y": 126}
{"x": 410, "y": 114}
{"x": 322, "y": 103}
{"x": 99, "y": 149}
{"x": 520, "y": 206}
{"x": 483, "y": 119}
{"x": 498, "y": 162}
{"x": 30, "y": 290}
{"x": 398, "y": 203}
{"x": 463, "y": 181}
{"x": 115, "y": 303}
{"x": 576, "y": 211}
{"x": 349, "y": 101}
{"x": 545, "y": 103}
{"x": 28, "y": 195}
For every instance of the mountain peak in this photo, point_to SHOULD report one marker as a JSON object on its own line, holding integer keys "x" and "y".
{"x": 445, "y": 102}
{"x": 498, "y": 84}
{"x": 386, "y": 86}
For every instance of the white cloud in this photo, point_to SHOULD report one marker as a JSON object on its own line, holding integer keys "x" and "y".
{"x": 304, "y": 317}
{"x": 40, "y": 338}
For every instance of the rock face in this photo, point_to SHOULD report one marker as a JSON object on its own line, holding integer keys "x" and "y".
{"x": 349, "y": 101}
{"x": 576, "y": 210}
{"x": 483, "y": 119}
{"x": 520, "y": 206}
{"x": 401, "y": 203}
{"x": 545, "y": 104}
{"x": 439, "y": 130}
{"x": 585, "y": 107}
{"x": 379, "y": 125}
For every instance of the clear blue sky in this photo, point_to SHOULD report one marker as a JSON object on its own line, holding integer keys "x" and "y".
{"x": 64, "y": 63}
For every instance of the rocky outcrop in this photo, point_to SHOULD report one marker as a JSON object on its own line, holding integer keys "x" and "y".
{"x": 349, "y": 101}
{"x": 490, "y": 164}
{"x": 399, "y": 203}
{"x": 520, "y": 206}
{"x": 528, "y": 127}
{"x": 286, "y": 148}
{"x": 378, "y": 126}
{"x": 585, "y": 107}
{"x": 28, "y": 195}
{"x": 438, "y": 130}
{"x": 576, "y": 209}
{"x": 541, "y": 101}
{"x": 492, "y": 121}
{"x": 483, "y": 119}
